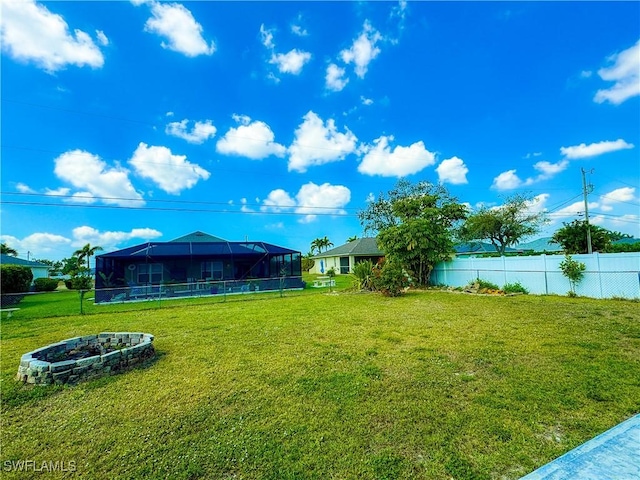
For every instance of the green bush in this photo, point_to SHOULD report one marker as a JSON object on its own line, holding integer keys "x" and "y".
{"x": 485, "y": 284}
{"x": 15, "y": 278}
{"x": 514, "y": 288}
{"x": 363, "y": 275}
{"x": 391, "y": 280}
{"x": 79, "y": 282}
{"x": 45, "y": 284}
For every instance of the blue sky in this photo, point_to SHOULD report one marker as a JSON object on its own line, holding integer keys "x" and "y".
{"x": 124, "y": 122}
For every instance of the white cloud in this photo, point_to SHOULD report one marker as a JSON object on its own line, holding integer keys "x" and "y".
{"x": 266, "y": 37}
{"x": 200, "y": 132}
{"x": 548, "y": 170}
{"x": 254, "y": 140}
{"x": 277, "y": 201}
{"x": 310, "y": 200}
{"x": 594, "y": 149}
{"x": 172, "y": 173}
{"x": 624, "y": 70}
{"x": 325, "y": 198}
{"x": 109, "y": 240}
{"x": 299, "y": 30}
{"x": 507, "y": 181}
{"x": 29, "y": 32}
{"x": 334, "y": 80}
{"x": 317, "y": 143}
{"x": 586, "y": 74}
{"x": 290, "y": 62}
{"x": 574, "y": 210}
{"x": 452, "y": 170}
{"x": 102, "y": 38}
{"x": 538, "y": 204}
{"x": 366, "y": 101}
{"x": 81, "y": 197}
{"x": 88, "y": 172}
{"x": 370, "y": 198}
{"x": 24, "y": 188}
{"x": 624, "y": 194}
{"x": 534, "y": 154}
{"x": 57, "y": 192}
{"x": 363, "y": 50}
{"x": 40, "y": 245}
{"x": 379, "y": 159}
{"x": 176, "y": 23}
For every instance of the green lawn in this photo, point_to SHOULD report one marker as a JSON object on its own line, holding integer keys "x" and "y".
{"x": 431, "y": 385}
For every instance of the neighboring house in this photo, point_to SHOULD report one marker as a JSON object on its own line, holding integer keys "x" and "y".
{"x": 195, "y": 264}
{"x": 39, "y": 270}
{"x": 343, "y": 258}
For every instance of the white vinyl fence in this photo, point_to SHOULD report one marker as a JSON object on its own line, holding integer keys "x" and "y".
{"x": 607, "y": 274}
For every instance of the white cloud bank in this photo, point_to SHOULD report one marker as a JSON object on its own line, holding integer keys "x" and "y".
{"x": 172, "y": 173}
{"x": 317, "y": 143}
{"x": 50, "y": 246}
{"x": 177, "y": 25}
{"x": 252, "y": 139}
{"x": 310, "y": 200}
{"x": 380, "y": 159}
{"x": 200, "y": 132}
{"x": 29, "y": 32}
{"x": 624, "y": 71}
{"x": 88, "y": 172}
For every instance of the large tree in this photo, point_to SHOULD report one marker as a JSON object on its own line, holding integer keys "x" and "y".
{"x": 572, "y": 237}
{"x": 414, "y": 225}
{"x": 86, "y": 252}
{"x": 505, "y": 225}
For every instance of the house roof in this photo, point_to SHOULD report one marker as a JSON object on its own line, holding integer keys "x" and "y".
{"x": 11, "y": 260}
{"x": 198, "y": 237}
{"x": 540, "y": 245}
{"x": 367, "y": 246}
{"x": 197, "y": 249}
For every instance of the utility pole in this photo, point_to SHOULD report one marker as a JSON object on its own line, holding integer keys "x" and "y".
{"x": 586, "y": 190}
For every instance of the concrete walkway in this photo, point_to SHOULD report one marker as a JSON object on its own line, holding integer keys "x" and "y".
{"x": 612, "y": 455}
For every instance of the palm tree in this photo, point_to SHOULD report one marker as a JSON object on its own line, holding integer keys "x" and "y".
{"x": 352, "y": 239}
{"x": 325, "y": 243}
{"x": 86, "y": 252}
{"x": 7, "y": 250}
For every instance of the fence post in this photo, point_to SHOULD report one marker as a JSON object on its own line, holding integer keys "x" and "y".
{"x": 599, "y": 274}
{"x": 546, "y": 281}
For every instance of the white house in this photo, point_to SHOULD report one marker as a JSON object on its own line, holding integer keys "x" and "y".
{"x": 39, "y": 270}
{"x": 343, "y": 258}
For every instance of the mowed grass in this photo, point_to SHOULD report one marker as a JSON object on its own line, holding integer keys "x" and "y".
{"x": 432, "y": 385}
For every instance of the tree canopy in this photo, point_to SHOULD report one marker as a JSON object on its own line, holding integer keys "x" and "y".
{"x": 7, "y": 250}
{"x": 86, "y": 252}
{"x": 414, "y": 225}
{"x": 505, "y": 225}
{"x": 572, "y": 237}
{"x": 321, "y": 243}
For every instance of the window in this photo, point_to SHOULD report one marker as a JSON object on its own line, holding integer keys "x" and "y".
{"x": 150, "y": 273}
{"x": 211, "y": 270}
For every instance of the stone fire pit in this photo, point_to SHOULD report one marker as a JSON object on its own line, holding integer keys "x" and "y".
{"x": 82, "y": 358}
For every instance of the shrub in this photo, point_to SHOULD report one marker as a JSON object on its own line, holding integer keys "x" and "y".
{"x": 485, "y": 284}
{"x": 574, "y": 271}
{"x": 45, "y": 284}
{"x": 15, "y": 278}
{"x": 79, "y": 282}
{"x": 514, "y": 288}
{"x": 392, "y": 280}
{"x": 363, "y": 275}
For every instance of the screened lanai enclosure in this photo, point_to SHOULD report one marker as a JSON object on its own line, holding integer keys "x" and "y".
{"x": 185, "y": 268}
